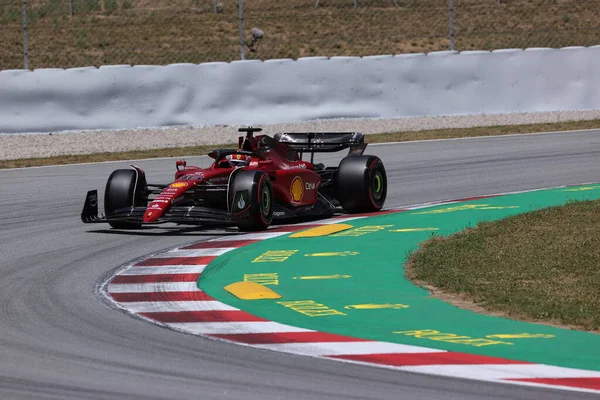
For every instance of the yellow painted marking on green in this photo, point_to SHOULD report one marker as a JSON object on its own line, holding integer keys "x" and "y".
{"x": 375, "y": 306}
{"x": 323, "y": 230}
{"x": 520, "y": 336}
{"x": 275, "y": 256}
{"x": 336, "y": 276}
{"x": 498, "y": 207}
{"x": 432, "y": 334}
{"x": 268, "y": 278}
{"x": 449, "y": 209}
{"x": 310, "y": 308}
{"x": 465, "y": 207}
{"x": 251, "y": 291}
{"x": 333, "y": 254}
{"x": 581, "y": 189}
{"x": 363, "y": 230}
{"x": 414, "y": 230}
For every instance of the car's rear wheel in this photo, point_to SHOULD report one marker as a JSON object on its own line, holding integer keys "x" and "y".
{"x": 361, "y": 184}
{"x": 124, "y": 189}
{"x": 253, "y": 196}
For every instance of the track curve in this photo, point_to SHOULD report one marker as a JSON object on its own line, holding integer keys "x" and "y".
{"x": 59, "y": 340}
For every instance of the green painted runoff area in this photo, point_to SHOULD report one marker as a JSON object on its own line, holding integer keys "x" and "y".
{"x": 352, "y": 283}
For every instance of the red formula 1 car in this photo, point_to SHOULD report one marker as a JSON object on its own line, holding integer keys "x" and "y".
{"x": 265, "y": 179}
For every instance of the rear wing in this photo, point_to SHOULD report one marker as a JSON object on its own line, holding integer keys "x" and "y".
{"x": 323, "y": 142}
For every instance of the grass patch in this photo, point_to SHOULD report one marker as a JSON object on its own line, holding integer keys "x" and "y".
{"x": 481, "y": 131}
{"x": 542, "y": 266}
{"x": 173, "y": 31}
{"x": 375, "y": 138}
{"x": 120, "y": 156}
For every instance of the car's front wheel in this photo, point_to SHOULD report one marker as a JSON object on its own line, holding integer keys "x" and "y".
{"x": 123, "y": 189}
{"x": 361, "y": 184}
{"x": 252, "y": 196}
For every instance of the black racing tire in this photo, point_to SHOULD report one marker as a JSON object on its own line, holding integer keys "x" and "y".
{"x": 256, "y": 191}
{"x": 124, "y": 188}
{"x": 361, "y": 184}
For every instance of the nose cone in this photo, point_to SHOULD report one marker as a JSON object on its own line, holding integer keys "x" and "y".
{"x": 152, "y": 215}
{"x": 157, "y": 208}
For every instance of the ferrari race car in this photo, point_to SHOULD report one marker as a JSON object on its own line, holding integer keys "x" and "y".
{"x": 262, "y": 181}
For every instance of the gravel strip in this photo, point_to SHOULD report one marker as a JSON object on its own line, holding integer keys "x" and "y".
{"x": 33, "y": 145}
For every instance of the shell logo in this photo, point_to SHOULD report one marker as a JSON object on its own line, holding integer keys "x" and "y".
{"x": 178, "y": 184}
{"x": 297, "y": 189}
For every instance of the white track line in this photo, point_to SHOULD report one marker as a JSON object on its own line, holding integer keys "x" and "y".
{"x": 502, "y": 371}
{"x": 346, "y": 348}
{"x": 205, "y": 328}
{"x": 152, "y": 287}
{"x": 176, "y": 306}
{"x": 195, "y": 252}
{"x": 251, "y": 236}
{"x": 166, "y": 269}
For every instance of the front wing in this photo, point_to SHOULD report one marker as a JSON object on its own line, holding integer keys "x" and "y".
{"x": 195, "y": 215}
{"x": 182, "y": 215}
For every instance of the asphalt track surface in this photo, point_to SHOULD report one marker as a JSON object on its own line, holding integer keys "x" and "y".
{"x": 59, "y": 339}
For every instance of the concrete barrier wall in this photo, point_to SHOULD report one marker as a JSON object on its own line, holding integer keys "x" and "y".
{"x": 274, "y": 91}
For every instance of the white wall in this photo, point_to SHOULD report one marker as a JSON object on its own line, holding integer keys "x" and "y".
{"x": 255, "y": 92}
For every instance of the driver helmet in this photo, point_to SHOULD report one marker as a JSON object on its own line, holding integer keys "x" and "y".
{"x": 238, "y": 160}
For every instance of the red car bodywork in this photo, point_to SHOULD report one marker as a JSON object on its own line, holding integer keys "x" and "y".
{"x": 294, "y": 180}
{"x": 263, "y": 181}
